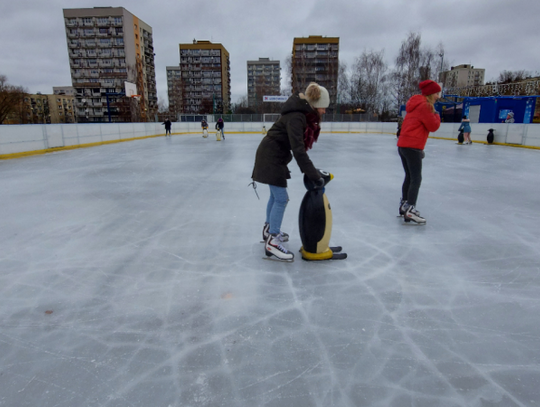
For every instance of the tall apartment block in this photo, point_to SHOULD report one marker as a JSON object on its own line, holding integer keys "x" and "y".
{"x": 108, "y": 46}
{"x": 461, "y": 76}
{"x": 206, "y": 77}
{"x": 263, "y": 79}
{"x": 174, "y": 89}
{"x": 315, "y": 59}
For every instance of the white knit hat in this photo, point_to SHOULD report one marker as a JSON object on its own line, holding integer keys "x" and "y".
{"x": 317, "y": 96}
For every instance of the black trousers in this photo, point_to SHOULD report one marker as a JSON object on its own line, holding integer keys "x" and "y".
{"x": 411, "y": 158}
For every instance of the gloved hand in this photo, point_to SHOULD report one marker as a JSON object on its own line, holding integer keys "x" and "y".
{"x": 319, "y": 183}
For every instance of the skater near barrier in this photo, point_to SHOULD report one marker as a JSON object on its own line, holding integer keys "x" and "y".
{"x": 204, "y": 126}
{"x": 421, "y": 119}
{"x": 296, "y": 130}
{"x": 466, "y": 128}
{"x": 219, "y": 126}
{"x": 167, "y": 124}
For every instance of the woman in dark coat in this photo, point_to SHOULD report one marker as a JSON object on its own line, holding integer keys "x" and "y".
{"x": 291, "y": 136}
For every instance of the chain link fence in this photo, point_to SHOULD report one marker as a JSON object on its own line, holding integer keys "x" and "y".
{"x": 272, "y": 117}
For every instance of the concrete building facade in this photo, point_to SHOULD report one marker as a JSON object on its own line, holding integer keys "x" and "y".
{"x": 206, "y": 77}
{"x": 461, "y": 76}
{"x": 108, "y": 46}
{"x": 315, "y": 59}
{"x": 174, "y": 89}
{"x": 263, "y": 78}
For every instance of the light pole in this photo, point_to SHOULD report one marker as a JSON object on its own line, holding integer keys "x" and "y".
{"x": 442, "y": 59}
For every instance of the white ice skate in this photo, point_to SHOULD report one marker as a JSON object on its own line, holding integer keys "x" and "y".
{"x": 412, "y": 214}
{"x": 275, "y": 251}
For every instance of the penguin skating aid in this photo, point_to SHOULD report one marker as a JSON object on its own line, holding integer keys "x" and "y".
{"x": 315, "y": 222}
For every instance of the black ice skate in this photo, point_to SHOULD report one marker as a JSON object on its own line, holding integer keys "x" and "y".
{"x": 412, "y": 214}
{"x": 275, "y": 251}
{"x": 284, "y": 237}
{"x": 402, "y": 207}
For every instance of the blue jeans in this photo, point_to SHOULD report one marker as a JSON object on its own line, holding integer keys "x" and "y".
{"x": 276, "y": 208}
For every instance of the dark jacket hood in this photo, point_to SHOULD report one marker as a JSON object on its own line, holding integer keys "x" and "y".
{"x": 297, "y": 103}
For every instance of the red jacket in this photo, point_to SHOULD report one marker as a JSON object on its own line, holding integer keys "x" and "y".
{"x": 419, "y": 122}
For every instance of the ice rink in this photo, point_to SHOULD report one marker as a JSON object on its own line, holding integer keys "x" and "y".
{"x": 131, "y": 275}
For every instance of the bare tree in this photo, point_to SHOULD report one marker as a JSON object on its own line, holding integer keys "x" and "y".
{"x": 343, "y": 88}
{"x": 369, "y": 81}
{"x": 513, "y": 76}
{"x": 242, "y": 106}
{"x": 11, "y": 99}
{"x": 206, "y": 106}
{"x": 413, "y": 65}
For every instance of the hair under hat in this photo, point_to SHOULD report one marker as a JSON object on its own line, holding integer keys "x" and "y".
{"x": 317, "y": 96}
{"x": 429, "y": 87}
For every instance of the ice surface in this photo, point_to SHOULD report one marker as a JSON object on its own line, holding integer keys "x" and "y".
{"x": 132, "y": 275}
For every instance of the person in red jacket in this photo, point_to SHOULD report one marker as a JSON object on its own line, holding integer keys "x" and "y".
{"x": 420, "y": 120}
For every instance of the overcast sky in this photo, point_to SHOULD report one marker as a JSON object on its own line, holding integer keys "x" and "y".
{"x": 495, "y": 35}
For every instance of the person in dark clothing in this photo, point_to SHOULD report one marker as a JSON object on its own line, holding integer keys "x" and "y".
{"x": 219, "y": 126}
{"x": 399, "y": 124}
{"x": 167, "y": 124}
{"x": 295, "y": 131}
{"x": 420, "y": 120}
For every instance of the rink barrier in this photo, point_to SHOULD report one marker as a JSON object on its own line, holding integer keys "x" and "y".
{"x": 32, "y": 139}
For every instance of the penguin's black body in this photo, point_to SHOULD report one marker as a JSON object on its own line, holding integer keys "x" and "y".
{"x": 460, "y": 137}
{"x": 315, "y": 223}
{"x": 490, "y": 136}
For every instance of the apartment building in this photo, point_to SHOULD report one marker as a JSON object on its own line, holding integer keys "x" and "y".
{"x": 206, "y": 77}
{"x": 64, "y": 90}
{"x": 43, "y": 109}
{"x": 462, "y": 76}
{"x": 315, "y": 59}
{"x": 174, "y": 89}
{"x": 108, "y": 46}
{"x": 263, "y": 78}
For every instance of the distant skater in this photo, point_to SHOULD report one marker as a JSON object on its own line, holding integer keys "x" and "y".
{"x": 466, "y": 128}
{"x": 295, "y": 131}
{"x": 204, "y": 126}
{"x": 167, "y": 124}
{"x": 219, "y": 126}
{"x": 421, "y": 119}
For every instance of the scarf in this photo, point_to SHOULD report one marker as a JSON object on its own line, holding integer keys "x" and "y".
{"x": 311, "y": 134}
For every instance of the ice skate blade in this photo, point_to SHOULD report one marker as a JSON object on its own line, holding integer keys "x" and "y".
{"x": 274, "y": 258}
{"x": 411, "y": 222}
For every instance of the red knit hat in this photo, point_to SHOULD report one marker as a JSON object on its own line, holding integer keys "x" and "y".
{"x": 429, "y": 87}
